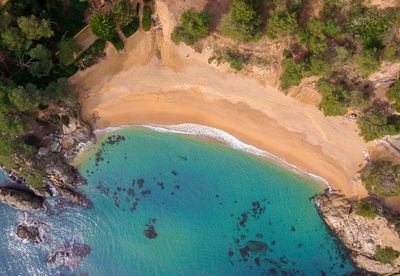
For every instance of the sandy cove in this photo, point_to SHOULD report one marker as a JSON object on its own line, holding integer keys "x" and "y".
{"x": 136, "y": 86}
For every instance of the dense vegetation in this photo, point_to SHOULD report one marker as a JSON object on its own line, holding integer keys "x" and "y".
{"x": 385, "y": 255}
{"x": 365, "y": 209}
{"x": 146, "y": 20}
{"x": 36, "y": 50}
{"x": 195, "y": 26}
{"x": 382, "y": 177}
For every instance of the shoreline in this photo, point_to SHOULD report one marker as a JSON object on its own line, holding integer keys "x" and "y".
{"x": 138, "y": 87}
{"x": 220, "y": 136}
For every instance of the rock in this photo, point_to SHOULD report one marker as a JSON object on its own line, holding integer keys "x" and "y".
{"x": 29, "y": 233}
{"x": 43, "y": 192}
{"x": 55, "y": 146}
{"x": 150, "y": 232}
{"x": 361, "y": 235}
{"x": 43, "y": 151}
{"x": 257, "y": 247}
{"x": 20, "y": 199}
{"x": 69, "y": 255}
{"x": 74, "y": 196}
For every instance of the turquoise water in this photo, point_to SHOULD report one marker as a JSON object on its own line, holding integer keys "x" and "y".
{"x": 215, "y": 210}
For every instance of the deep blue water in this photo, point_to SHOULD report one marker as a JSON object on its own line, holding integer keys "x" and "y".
{"x": 216, "y": 211}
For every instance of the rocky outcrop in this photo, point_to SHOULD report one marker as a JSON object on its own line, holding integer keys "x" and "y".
{"x": 76, "y": 197}
{"x": 361, "y": 235}
{"x": 20, "y": 199}
{"x": 68, "y": 255}
{"x": 30, "y": 233}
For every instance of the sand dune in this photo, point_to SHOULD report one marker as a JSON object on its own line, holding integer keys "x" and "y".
{"x": 136, "y": 86}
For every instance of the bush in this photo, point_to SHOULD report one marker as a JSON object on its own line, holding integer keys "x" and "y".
{"x": 242, "y": 23}
{"x": 376, "y": 124}
{"x": 132, "y": 27}
{"x": 392, "y": 52}
{"x": 318, "y": 44}
{"x": 117, "y": 43}
{"x": 103, "y": 26}
{"x": 381, "y": 177}
{"x": 368, "y": 61}
{"x": 195, "y": 26}
{"x": 146, "y": 20}
{"x": 386, "y": 255}
{"x": 365, "y": 209}
{"x": 123, "y": 12}
{"x": 292, "y": 75}
{"x": 281, "y": 21}
{"x": 318, "y": 65}
{"x": 359, "y": 100}
{"x": 393, "y": 94}
{"x": 334, "y": 98}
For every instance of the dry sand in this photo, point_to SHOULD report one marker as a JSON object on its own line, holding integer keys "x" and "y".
{"x": 137, "y": 86}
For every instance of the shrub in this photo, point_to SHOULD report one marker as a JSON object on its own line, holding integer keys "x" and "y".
{"x": 132, "y": 27}
{"x": 318, "y": 44}
{"x": 381, "y": 177}
{"x": 117, "y": 43}
{"x": 365, "y": 209}
{"x": 292, "y": 75}
{"x": 385, "y": 255}
{"x": 359, "y": 100}
{"x": 103, "y": 26}
{"x": 393, "y": 94}
{"x": 242, "y": 23}
{"x": 123, "y": 12}
{"x": 375, "y": 124}
{"x": 368, "y": 61}
{"x": 392, "y": 52}
{"x": 281, "y": 21}
{"x": 195, "y": 26}
{"x": 334, "y": 98}
{"x": 318, "y": 65}
{"x": 332, "y": 29}
{"x": 146, "y": 20}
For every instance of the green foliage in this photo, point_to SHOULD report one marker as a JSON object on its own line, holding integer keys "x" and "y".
{"x": 62, "y": 91}
{"x": 146, "y": 20}
{"x": 331, "y": 8}
{"x": 287, "y": 54}
{"x": 359, "y": 100}
{"x": 365, "y": 209}
{"x": 33, "y": 28}
{"x": 103, "y": 26}
{"x": 67, "y": 48}
{"x": 132, "y": 27}
{"x": 318, "y": 65}
{"x": 315, "y": 26}
{"x": 117, "y": 43}
{"x": 15, "y": 124}
{"x": 292, "y": 75}
{"x": 5, "y": 104}
{"x": 13, "y": 39}
{"x": 392, "y": 52}
{"x": 334, "y": 98}
{"x": 24, "y": 98}
{"x": 318, "y": 44}
{"x": 375, "y": 124}
{"x": 43, "y": 63}
{"x": 393, "y": 94}
{"x": 386, "y": 255}
{"x": 195, "y": 26}
{"x": 281, "y": 21}
{"x": 242, "y": 23}
{"x": 332, "y": 29}
{"x": 369, "y": 23}
{"x": 123, "y": 12}
{"x": 368, "y": 61}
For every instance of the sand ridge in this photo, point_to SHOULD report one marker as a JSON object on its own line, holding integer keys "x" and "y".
{"x": 149, "y": 83}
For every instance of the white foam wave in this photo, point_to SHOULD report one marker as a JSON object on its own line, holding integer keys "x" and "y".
{"x": 223, "y": 137}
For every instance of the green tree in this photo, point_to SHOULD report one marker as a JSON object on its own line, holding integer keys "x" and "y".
{"x": 146, "y": 20}
{"x": 392, "y": 52}
{"x": 15, "y": 124}
{"x": 368, "y": 61}
{"x": 25, "y": 98}
{"x": 33, "y": 28}
{"x": 103, "y": 26}
{"x": 195, "y": 26}
{"x": 5, "y": 104}
{"x": 334, "y": 98}
{"x": 318, "y": 65}
{"x": 386, "y": 255}
{"x": 292, "y": 75}
{"x": 13, "y": 39}
{"x": 123, "y": 12}
{"x": 332, "y": 29}
{"x": 63, "y": 91}
{"x": 242, "y": 23}
{"x": 381, "y": 177}
{"x": 365, "y": 209}
{"x": 375, "y": 124}
{"x": 42, "y": 64}
{"x": 359, "y": 100}
{"x": 67, "y": 48}
{"x": 393, "y": 94}
{"x": 318, "y": 44}
{"x": 281, "y": 21}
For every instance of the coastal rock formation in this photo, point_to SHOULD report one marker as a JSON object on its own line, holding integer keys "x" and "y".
{"x": 69, "y": 255}
{"x": 30, "y": 233}
{"x": 150, "y": 232}
{"x": 361, "y": 235}
{"x": 74, "y": 196}
{"x": 20, "y": 199}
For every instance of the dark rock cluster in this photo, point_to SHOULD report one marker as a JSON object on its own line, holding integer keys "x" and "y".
{"x": 69, "y": 255}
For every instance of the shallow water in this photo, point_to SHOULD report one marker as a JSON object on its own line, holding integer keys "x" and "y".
{"x": 206, "y": 202}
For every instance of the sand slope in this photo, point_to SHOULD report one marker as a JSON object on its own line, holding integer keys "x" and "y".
{"x": 156, "y": 82}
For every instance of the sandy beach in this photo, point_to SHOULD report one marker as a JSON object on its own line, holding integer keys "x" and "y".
{"x": 149, "y": 84}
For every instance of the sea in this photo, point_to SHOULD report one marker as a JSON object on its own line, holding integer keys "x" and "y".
{"x": 189, "y": 200}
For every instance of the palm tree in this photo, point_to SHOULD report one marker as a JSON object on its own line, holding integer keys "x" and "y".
{"x": 103, "y": 26}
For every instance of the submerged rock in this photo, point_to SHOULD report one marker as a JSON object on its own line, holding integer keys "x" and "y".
{"x": 30, "y": 233}
{"x": 20, "y": 199}
{"x": 150, "y": 232}
{"x": 360, "y": 234}
{"x": 69, "y": 255}
{"x": 257, "y": 247}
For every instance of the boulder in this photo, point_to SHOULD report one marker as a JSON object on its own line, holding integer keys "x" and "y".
{"x": 30, "y": 233}
{"x": 150, "y": 232}
{"x": 20, "y": 199}
{"x": 69, "y": 255}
